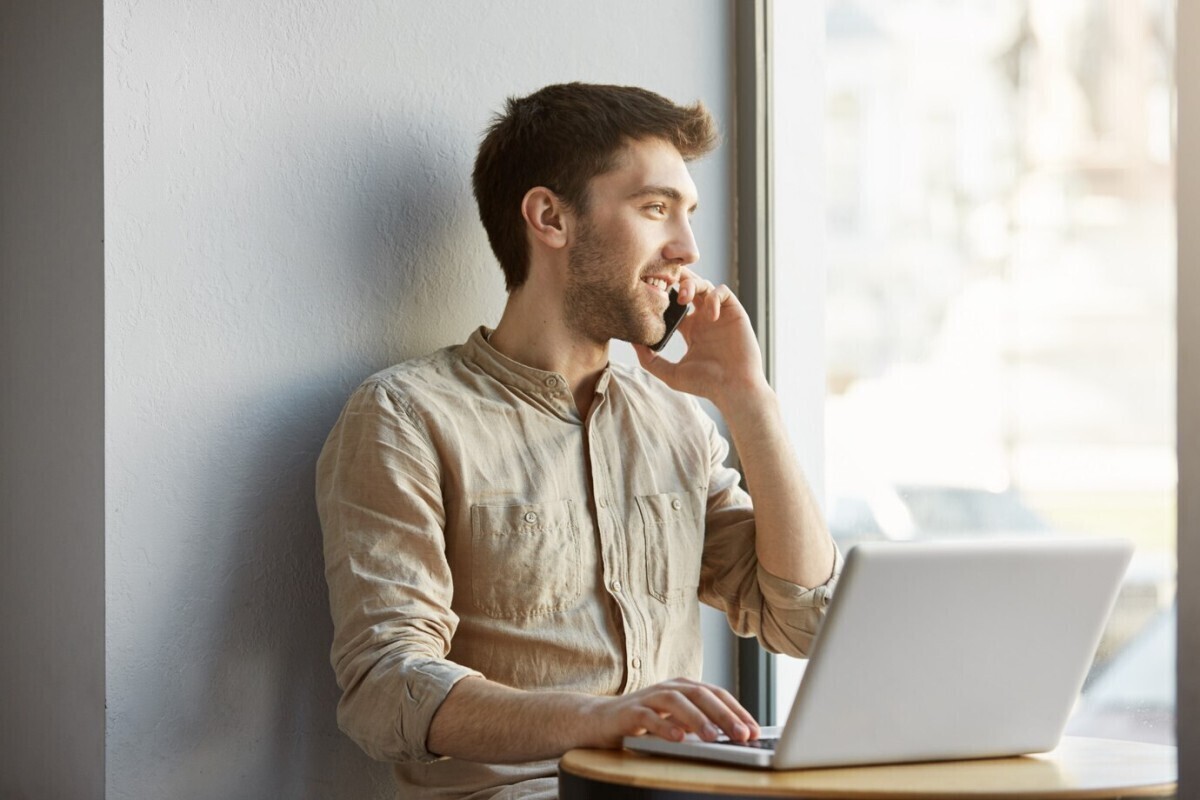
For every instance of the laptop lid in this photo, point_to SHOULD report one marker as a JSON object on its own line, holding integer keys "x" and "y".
{"x": 946, "y": 650}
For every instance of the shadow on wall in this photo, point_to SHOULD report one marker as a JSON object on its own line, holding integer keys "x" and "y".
{"x": 270, "y": 688}
{"x": 423, "y": 274}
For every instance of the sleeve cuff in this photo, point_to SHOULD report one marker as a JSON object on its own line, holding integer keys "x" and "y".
{"x": 782, "y": 594}
{"x": 429, "y": 681}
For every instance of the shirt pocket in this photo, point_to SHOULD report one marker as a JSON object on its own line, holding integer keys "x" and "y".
{"x": 674, "y": 541}
{"x": 525, "y": 559}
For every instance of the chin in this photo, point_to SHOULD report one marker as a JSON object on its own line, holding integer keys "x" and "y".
{"x": 644, "y": 336}
{"x": 645, "y": 328}
{"x": 651, "y": 336}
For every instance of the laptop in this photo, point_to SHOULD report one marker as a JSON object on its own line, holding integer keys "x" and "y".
{"x": 940, "y": 650}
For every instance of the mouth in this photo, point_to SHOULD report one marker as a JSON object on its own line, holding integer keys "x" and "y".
{"x": 659, "y": 283}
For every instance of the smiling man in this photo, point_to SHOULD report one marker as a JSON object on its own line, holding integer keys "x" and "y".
{"x": 518, "y": 533}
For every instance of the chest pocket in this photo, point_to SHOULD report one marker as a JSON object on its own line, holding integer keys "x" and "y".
{"x": 674, "y": 535}
{"x": 524, "y": 559}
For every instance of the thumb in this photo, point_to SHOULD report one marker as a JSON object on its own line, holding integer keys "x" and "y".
{"x": 652, "y": 363}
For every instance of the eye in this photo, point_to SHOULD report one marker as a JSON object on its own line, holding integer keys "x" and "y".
{"x": 659, "y": 209}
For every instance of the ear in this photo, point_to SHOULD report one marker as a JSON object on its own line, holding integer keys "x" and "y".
{"x": 545, "y": 217}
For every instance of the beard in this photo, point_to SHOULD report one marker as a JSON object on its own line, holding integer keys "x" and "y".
{"x": 599, "y": 303}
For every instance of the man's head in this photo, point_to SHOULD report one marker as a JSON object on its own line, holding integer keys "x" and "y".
{"x": 561, "y": 137}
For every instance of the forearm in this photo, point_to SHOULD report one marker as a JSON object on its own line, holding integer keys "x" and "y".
{"x": 792, "y": 540}
{"x": 484, "y": 721}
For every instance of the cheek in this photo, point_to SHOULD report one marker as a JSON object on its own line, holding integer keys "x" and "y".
{"x": 630, "y": 240}
{"x": 640, "y": 244}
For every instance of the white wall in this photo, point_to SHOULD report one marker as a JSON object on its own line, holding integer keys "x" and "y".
{"x": 287, "y": 209}
{"x": 51, "y": 401}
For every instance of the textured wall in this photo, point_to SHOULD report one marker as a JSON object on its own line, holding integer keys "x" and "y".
{"x": 51, "y": 400}
{"x": 287, "y": 210}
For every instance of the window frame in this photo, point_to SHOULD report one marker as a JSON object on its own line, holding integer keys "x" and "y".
{"x": 754, "y": 668}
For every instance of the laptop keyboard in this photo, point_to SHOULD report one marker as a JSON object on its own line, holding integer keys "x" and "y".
{"x": 757, "y": 744}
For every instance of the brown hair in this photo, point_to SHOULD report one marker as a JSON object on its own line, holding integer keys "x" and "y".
{"x": 561, "y": 137}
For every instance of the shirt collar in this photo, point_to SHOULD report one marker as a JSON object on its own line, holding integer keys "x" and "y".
{"x": 550, "y": 388}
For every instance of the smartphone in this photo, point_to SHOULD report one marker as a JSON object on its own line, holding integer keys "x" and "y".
{"x": 672, "y": 316}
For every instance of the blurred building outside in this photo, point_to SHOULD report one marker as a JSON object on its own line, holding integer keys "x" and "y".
{"x": 1001, "y": 278}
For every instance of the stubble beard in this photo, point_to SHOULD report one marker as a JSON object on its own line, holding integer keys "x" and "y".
{"x": 597, "y": 304}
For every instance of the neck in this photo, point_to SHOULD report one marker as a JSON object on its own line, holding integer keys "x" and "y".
{"x": 532, "y": 331}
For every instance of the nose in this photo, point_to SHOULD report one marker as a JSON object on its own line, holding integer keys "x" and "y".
{"x": 682, "y": 248}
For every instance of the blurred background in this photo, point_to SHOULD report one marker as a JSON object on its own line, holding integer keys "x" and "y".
{"x": 1001, "y": 295}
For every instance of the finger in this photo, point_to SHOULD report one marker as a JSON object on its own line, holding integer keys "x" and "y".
{"x": 680, "y": 707}
{"x": 647, "y": 720}
{"x": 715, "y": 299}
{"x": 704, "y": 301}
{"x": 706, "y": 710}
{"x": 720, "y": 707}
{"x": 690, "y": 284}
{"x": 728, "y": 702}
{"x": 739, "y": 711}
{"x": 722, "y": 296}
{"x": 701, "y": 293}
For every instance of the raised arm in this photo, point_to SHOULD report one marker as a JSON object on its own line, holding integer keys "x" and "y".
{"x": 723, "y": 364}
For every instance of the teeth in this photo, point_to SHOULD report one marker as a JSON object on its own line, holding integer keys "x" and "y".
{"x": 658, "y": 283}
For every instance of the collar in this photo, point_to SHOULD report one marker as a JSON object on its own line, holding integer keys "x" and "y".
{"x": 550, "y": 388}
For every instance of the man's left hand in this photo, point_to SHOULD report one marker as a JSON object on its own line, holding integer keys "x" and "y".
{"x": 723, "y": 359}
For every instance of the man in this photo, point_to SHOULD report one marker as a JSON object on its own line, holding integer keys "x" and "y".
{"x": 517, "y": 532}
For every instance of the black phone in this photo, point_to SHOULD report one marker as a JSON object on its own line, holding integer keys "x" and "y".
{"x": 672, "y": 316}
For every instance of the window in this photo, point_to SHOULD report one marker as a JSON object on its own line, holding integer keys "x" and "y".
{"x": 999, "y": 251}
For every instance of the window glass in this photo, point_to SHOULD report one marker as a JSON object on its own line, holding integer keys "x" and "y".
{"x": 1000, "y": 305}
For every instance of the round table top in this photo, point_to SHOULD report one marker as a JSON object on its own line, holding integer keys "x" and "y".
{"x": 1078, "y": 768}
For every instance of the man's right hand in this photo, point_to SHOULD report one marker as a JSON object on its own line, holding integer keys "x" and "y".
{"x": 671, "y": 710}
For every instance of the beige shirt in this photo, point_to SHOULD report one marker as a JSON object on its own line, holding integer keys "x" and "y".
{"x": 475, "y": 525}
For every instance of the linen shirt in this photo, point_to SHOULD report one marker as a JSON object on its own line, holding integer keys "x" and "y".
{"x": 475, "y": 524}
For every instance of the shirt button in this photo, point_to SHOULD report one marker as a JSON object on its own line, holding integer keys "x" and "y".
{"x": 637, "y": 663}
{"x": 530, "y": 517}
{"x": 676, "y": 504}
{"x": 616, "y": 586}
{"x": 552, "y": 382}
{"x": 603, "y": 503}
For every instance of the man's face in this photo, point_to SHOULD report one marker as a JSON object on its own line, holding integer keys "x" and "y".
{"x": 631, "y": 245}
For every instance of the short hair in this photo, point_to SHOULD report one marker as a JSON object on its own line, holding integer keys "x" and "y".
{"x": 561, "y": 137}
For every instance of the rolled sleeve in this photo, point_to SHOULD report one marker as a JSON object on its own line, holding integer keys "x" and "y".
{"x": 390, "y": 588}
{"x": 792, "y": 613}
{"x": 389, "y": 713}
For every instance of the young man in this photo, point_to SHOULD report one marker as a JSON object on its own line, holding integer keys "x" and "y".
{"x": 517, "y": 532}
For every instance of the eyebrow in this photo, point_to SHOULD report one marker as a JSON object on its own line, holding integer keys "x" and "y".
{"x": 668, "y": 192}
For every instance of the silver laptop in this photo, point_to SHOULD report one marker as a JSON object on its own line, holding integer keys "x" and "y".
{"x": 935, "y": 651}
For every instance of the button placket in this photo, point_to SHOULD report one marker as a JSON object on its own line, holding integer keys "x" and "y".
{"x": 614, "y": 543}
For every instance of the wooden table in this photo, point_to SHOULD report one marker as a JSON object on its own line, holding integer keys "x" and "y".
{"x": 1078, "y": 768}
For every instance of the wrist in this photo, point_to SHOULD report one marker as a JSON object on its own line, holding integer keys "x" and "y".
{"x": 592, "y": 721}
{"x": 748, "y": 399}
